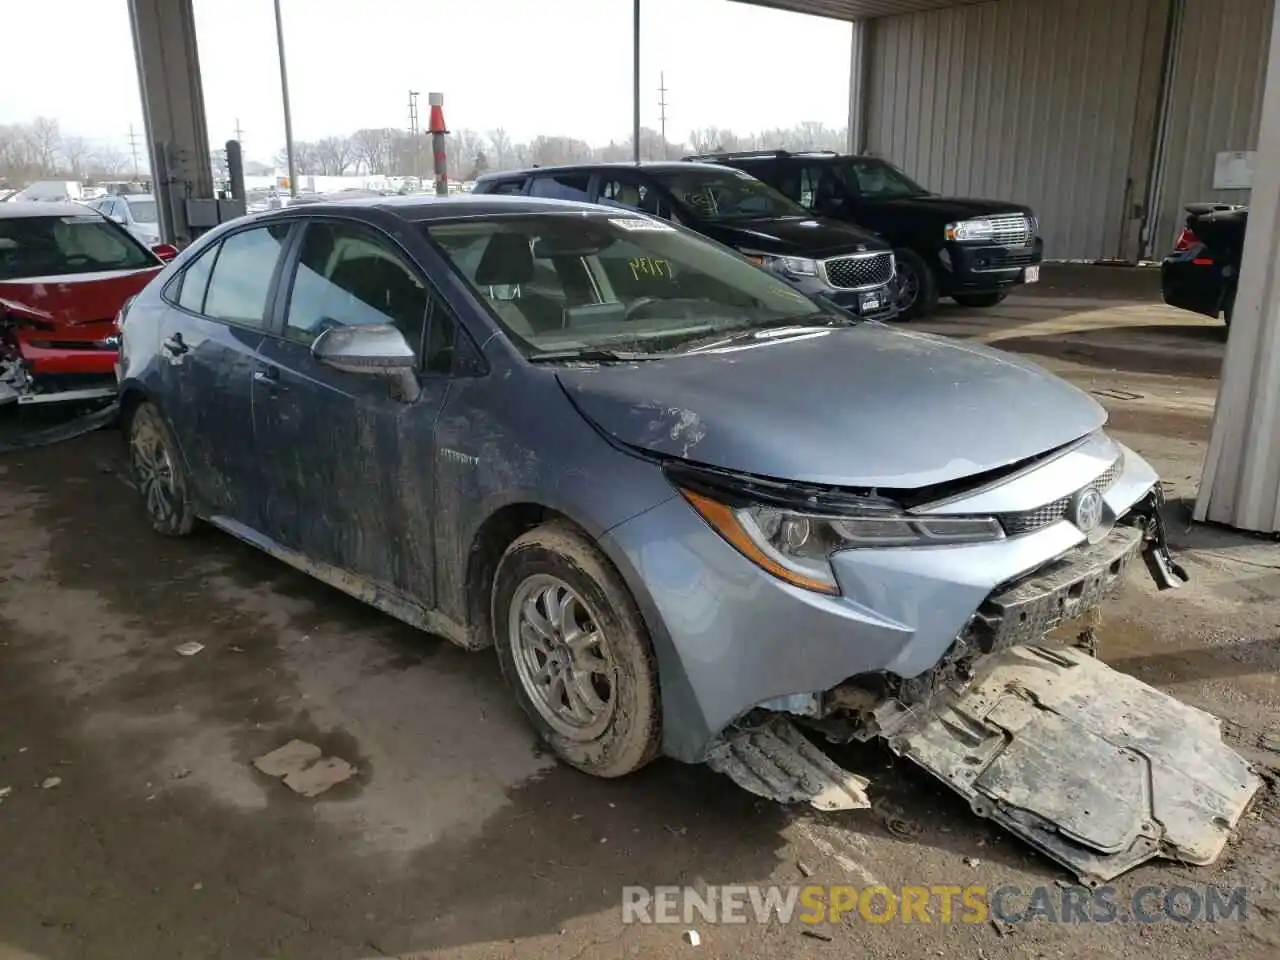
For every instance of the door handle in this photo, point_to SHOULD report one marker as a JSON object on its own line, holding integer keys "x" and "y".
{"x": 269, "y": 377}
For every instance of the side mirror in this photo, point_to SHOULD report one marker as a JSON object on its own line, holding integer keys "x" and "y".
{"x": 165, "y": 251}
{"x": 378, "y": 350}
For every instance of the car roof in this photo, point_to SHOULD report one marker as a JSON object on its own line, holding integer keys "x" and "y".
{"x": 425, "y": 208}
{"x": 13, "y": 209}
{"x": 130, "y": 197}
{"x": 651, "y": 166}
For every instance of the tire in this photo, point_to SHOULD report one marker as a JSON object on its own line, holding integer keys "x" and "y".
{"x": 614, "y": 729}
{"x": 158, "y": 473}
{"x": 917, "y": 285}
{"x": 980, "y": 299}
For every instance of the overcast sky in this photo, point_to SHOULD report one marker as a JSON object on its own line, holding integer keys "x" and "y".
{"x": 531, "y": 66}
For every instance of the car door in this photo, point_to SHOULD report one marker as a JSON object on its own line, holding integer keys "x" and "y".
{"x": 347, "y": 464}
{"x": 209, "y": 344}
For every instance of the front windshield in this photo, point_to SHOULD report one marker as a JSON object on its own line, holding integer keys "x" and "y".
{"x": 877, "y": 180}
{"x": 52, "y": 246}
{"x": 144, "y": 211}
{"x": 565, "y": 284}
{"x": 727, "y": 195}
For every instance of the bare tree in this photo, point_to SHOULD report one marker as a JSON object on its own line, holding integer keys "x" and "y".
{"x": 500, "y": 141}
{"x": 374, "y": 149}
{"x": 75, "y": 151}
{"x": 305, "y": 159}
{"x": 109, "y": 161}
{"x": 46, "y": 142}
{"x": 334, "y": 154}
{"x": 546, "y": 151}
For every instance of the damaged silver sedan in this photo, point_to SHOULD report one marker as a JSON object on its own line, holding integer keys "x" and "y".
{"x": 696, "y": 511}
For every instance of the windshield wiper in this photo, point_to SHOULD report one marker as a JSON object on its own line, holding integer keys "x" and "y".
{"x": 594, "y": 355}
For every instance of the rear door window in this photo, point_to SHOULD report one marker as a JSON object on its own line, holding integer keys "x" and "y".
{"x": 241, "y": 281}
{"x": 562, "y": 186}
{"x": 509, "y": 187}
{"x": 623, "y": 190}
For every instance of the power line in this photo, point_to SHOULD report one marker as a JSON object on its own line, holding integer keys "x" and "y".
{"x": 662, "y": 111}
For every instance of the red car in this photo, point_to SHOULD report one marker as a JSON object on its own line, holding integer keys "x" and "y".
{"x": 65, "y": 272}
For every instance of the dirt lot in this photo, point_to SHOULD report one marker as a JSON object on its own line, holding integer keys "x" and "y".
{"x": 457, "y": 837}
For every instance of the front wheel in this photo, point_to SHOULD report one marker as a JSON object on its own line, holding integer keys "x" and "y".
{"x": 575, "y": 651}
{"x": 158, "y": 473}
{"x": 980, "y": 299}
{"x": 917, "y": 285}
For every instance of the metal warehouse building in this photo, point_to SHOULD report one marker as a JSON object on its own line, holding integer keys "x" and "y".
{"x": 1106, "y": 116}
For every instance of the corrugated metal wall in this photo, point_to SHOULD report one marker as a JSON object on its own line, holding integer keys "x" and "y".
{"x": 1215, "y": 101}
{"x": 1048, "y": 102}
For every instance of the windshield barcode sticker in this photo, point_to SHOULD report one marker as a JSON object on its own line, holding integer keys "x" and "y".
{"x": 638, "y": 224}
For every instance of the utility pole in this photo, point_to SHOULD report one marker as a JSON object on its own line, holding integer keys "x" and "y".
{"x": 414, "y": 132}
{"x": 662, "y": 111}
{"x": 635, "y": 80}
{"x": 133, "y": 148}
{"x": 239, "y": 132}
{"x": 288, "y": 117}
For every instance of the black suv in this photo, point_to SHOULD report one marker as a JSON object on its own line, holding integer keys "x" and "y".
{"x": 973, "y": 251}
{"x": 852, "y": 267}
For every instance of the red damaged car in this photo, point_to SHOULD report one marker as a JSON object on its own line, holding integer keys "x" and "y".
{"x": 65, "y": 272}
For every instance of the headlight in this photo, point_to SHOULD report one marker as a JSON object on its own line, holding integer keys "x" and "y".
{"x": 970, "y": 230}
{"x": 1034, "y": 223}
{"x": 790, "y": 266}
{"x": 797, "y": 547}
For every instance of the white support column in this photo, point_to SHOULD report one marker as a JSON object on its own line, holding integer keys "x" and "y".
{"x": 858, "y": 50}
{"x": 1240, "y": 486}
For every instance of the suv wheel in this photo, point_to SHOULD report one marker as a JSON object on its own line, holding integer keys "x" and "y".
{"x": 917, "y": 285}
{"x": 574, "y": 649}
{"x": 980, "y": 299}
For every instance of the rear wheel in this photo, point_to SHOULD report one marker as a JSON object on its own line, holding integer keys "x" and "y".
{"x": 158, "y": 473}
{"x": 574, "y": 649}
{"x": 917, "y": 285}
{"x": 980, "y": 299}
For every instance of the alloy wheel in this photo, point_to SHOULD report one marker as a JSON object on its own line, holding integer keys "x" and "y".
{"x": 562, "y": 658}
{"x": 153, "y": 472}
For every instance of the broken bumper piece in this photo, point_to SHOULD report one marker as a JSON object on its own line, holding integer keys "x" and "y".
{"x": 776, "y": 761}
{"x": 1088, "y": 765}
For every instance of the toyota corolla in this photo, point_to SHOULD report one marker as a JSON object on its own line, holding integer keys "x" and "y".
{"x": 695, "y": 511}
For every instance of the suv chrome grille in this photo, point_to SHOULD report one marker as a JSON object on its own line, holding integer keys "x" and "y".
{"x": 859, "y": 272}
{"x": 1028, "y": 520}
{"x": 1013, "y": 230}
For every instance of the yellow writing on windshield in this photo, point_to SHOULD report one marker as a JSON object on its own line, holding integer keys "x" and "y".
{"x": 651, "y": 267}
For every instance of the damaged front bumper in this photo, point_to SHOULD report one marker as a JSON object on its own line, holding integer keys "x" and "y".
{"x": 731, "y": 638}
{"x": 1092, "y": 767}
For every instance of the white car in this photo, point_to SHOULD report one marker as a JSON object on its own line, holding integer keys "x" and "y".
{"x": 136, "y": 212}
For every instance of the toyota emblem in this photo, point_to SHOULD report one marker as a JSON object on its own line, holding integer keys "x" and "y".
{"x": 1087, "y": 509}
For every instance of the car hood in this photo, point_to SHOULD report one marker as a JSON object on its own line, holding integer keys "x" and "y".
{"x": 864, "y": 406}
{"x": 78, "y": 298}
{"x": 949, "y": 209}
{"x": 793, "y": 236}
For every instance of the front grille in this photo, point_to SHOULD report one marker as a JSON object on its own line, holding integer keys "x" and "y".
{"x": 1029, "y": 520}
{"x": 859, "y": 273}
{"x": 1012, "y": 231}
